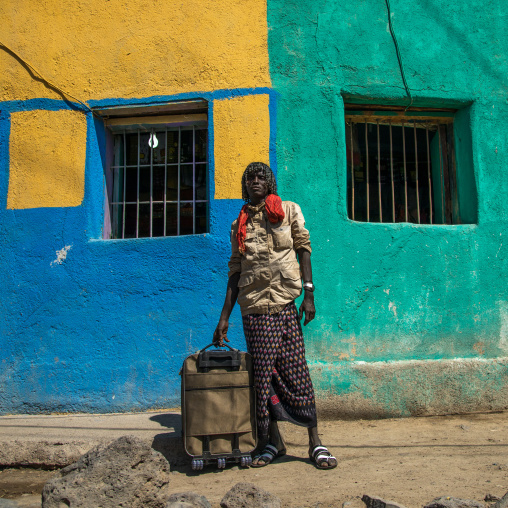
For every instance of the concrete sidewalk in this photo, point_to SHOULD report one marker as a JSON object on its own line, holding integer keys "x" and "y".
{"x": 58, "y": 440}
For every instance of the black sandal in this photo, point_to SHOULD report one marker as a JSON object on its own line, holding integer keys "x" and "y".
{"x": 320, "y": 455}
{"x": 268, "y": 455}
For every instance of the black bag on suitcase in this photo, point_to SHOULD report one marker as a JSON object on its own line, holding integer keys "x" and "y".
{"x": 218, "y": 407}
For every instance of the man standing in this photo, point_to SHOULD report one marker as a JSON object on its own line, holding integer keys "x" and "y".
{"x": 270, "y": 248}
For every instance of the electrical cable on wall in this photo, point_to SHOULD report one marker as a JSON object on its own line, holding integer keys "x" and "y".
{"x": 397, "y": 51}
{"x": 42, "y": 78}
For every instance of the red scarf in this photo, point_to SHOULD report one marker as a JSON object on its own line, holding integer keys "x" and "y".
{"x": 274, "y": 212}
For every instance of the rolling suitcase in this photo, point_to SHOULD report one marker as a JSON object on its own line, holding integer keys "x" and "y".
{"x": 218, "y": 407}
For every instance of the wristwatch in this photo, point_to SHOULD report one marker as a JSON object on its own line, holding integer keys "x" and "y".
{"x": 308, "y": 286}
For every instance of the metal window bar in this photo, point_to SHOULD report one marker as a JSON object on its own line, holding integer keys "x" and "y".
{"x": 391, "y": 173}
{"x": 165, "y": 178}
{"x": 422, "y": 211}
{"x": 124, "y": 182}
{"x": 452, "y": 176}
{"x": 352, "y": 176}
{"x": 115, "y": 224}
{"x": 379, "y": 173}
{"x": 429, "y": 174}
{"x": 137, "y": 185}
{"x": 178, "y": 186}
{"x": 138, "y": 167}
{"x": 193, "y": 180}
{"x": 447, "y": 175}
{"x": 416, "y": 171}
{"x": 441, "y": 177}
{"x": 367, "y": 168}
{"x": 405, "y": 169}
{"x": 150, "y": 144}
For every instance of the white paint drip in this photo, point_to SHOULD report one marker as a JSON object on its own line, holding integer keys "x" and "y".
{"x": 61, "y": 255}
{"x": 499, "y": 249}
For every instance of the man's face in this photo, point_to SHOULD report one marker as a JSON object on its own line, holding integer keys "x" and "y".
{"x": 256, "y": 185}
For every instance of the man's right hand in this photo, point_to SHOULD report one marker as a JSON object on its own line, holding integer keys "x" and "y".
{"x": 220, "y": 334}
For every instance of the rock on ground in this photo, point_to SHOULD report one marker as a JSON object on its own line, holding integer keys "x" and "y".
{"x": 377, "y": 502}
{"x": 7, "y": 503}
{"x": 187, "y": 500}
{"x": 43, "y": 453}
{"x": 247, "y": 495}
{"x": 123, "y": 473}
{"x": 454, "y": 502}
{"x": 503, "y": 502}
{"x": 25, "y": 501}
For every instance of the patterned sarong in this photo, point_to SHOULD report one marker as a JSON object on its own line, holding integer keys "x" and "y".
{"x": 283, "y": 385}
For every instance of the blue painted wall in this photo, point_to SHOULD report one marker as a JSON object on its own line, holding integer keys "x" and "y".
{"x": 107, "y": 329}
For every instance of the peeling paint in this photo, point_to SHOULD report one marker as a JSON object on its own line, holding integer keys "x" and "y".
{"x": 479, "y": 347}
{"x": 503, "y": 331}
{"x": 61, "y": 255}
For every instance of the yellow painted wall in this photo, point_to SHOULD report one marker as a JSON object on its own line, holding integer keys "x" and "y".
{"x": 99, "y": 49}
{"x": 47, "y": 153}
{"x": 241, "y": 136}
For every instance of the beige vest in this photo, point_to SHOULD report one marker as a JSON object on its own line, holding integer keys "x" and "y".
{"x": 270, "y": 273}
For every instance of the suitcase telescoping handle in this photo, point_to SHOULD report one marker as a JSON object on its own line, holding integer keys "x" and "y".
{"x": 218, "y": 358}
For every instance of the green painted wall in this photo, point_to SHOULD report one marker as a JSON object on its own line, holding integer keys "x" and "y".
{"x": 388, "y": 294}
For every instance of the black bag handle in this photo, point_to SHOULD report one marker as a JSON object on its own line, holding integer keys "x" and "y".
{"x": 217, "y": 346}
{"x": 219, "y": 358}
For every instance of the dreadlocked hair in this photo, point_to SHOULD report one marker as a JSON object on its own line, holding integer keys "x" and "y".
{"x": 255, "y": 167}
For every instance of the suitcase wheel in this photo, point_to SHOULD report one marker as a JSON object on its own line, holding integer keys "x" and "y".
{"x": 246, "y": 461}
{"x": 197, "y": 465}
{"x": 221, "y": 463}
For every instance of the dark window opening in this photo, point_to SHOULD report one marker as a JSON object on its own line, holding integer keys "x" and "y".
{"x": 158, "y": 176}
{"x": 401, "y": 168}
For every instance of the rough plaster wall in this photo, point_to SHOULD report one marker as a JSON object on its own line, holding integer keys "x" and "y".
{"x": 92, "y": 325}
{"x": 388, "y": 293}
{"x": 47, "y": 153}
{"x": 241, "y": 136}
{"x": 125, "y": 48}
{"x": 89, "y": 325}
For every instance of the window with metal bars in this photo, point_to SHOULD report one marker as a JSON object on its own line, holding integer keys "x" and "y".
{"x": 401, "y": 166}
{"x": 158, "y": 179}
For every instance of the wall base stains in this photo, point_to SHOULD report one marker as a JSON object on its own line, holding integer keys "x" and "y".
{"x": 410, "y": 388}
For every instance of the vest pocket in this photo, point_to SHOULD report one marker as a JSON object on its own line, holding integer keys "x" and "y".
{"x": 282, "y": 238}
{"x": 245, "y": 279}
{"x": 290, "y": 279}
{"x": 251, "y": 244}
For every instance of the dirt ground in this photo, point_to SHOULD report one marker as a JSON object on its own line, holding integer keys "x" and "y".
{"x": 410, "y": 461}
